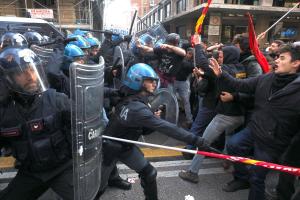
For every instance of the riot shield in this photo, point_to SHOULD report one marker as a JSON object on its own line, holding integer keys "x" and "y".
{"x": 118, "y": 62}
{"x": 166, "y": 101}
{"x": 87, "y": 85}
{"x": 43, "y": 53}
{"x": 152, "y": 37}
{"x": 158, "y": 32}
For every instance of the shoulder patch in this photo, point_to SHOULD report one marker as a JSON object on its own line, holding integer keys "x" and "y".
{"x": 124, "y": 113}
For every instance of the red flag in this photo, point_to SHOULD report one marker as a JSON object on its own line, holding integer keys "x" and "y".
{"x": 261, "y": 59}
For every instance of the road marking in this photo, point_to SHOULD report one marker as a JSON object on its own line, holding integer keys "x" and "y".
{"x": 154, "y": 152}
{"x": 7, "y": 175}
{"x": 173, "y": 163}
{"x": 174, "y": 173}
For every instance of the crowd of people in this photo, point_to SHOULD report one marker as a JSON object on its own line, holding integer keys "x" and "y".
{"x": 257, "y": 112}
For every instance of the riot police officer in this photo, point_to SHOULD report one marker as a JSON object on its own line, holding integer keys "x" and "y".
{"x": 34, "y": 37}
{"x": 133, "y": 117}
{"x": 10, "y": 39}
{"x": 36, "y": 125}
{"x": 94, "y": 51}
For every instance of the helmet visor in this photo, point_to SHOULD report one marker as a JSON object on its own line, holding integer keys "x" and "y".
{"x": 24, "y": 72}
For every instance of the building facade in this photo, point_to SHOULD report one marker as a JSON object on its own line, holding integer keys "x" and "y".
{"x": 143, "y": 6}
{"x": 225, "y": 18}
{"x": 69, "y": 14}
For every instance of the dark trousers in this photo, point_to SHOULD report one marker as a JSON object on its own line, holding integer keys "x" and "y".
{"x": 285, "y": 187}
{"x": 26, "y": 187}
{"x": 243, "y": 144}
{"x": 135, "y": 160}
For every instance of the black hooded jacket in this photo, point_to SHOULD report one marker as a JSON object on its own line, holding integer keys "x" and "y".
{"x": 276, "y": 116}
{"x": 235, "y": 69}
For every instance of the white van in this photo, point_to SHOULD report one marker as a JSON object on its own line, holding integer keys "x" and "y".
{"x": 22, "y": 24}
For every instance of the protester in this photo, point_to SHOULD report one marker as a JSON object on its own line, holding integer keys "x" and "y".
{"x": 273, "y": 124}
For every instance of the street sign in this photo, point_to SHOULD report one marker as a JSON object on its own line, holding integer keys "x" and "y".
{"x": 41, "y": 13}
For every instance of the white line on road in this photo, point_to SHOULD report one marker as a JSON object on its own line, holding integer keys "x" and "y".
{"x": 7, "y": 175}
{"x": 173, "y": 163}
{"x": 174, "y": 173}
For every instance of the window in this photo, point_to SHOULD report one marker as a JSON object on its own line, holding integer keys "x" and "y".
{"x": 167, "y": 10}
{"x": 149, "y": 21}
{"x": 154, "y": 17}
{"x": 160, "y": 14}
{"x": 181, "y": 30}
{"x": 180, "y": 6}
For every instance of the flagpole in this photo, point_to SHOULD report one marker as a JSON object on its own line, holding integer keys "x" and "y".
{"x": 282, "y": 17}
{"x": 282, "y": 168}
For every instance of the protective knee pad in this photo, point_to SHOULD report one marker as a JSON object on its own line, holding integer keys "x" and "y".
{"x": 148, "y": 174}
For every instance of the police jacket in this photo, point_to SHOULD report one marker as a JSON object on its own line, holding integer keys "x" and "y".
{"x": 39, "y": 135}
{"x": 133, "y": 117}
{"x": 276, "y": 116}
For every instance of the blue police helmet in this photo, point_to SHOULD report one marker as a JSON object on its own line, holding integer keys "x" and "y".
{"x": 80, "y": 41}
{"x": 137, "y": 74}
{"x": 94, "y": 42}
{"x": 80, "y": 32}
{"x": 73, "y": 51}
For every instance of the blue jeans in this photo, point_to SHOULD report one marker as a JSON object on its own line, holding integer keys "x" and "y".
{"x": 243, "y": 144}
{"x": 216, "y": 127}
{"x": 203, "y": 118}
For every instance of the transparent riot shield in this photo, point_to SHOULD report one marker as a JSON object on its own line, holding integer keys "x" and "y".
{"x": 118, "y": 62}
{"x": 152, "y": 37}
{"x": 158, "y": 32}
{"x": 87, "y": 85}
{"x": 167, "y": 102}
{"x": 43, "y": 53}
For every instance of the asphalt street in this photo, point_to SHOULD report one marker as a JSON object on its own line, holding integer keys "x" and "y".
{"x": 171, "y": 187}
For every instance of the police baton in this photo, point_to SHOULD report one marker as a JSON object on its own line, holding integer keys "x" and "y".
{"x": 291, "y": 170}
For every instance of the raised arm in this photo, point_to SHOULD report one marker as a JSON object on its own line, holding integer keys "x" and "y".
{"x": 239, "y": 85}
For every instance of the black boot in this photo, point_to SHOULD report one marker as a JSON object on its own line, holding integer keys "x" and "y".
{"x": 116, "y": 181}
{"x": 119, "y": 183}
{"x": 148, "y": 182}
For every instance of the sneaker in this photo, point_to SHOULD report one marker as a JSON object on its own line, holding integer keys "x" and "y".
{"x": 236, "y": 185}
{"x": 189, "y": 176}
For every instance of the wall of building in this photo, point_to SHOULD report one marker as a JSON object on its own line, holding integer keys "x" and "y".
{"x": 225, "y": 19}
